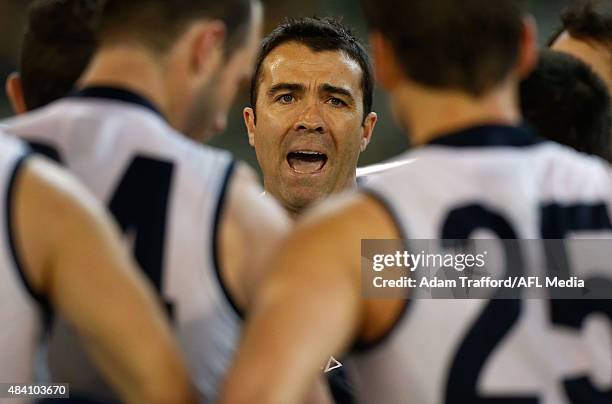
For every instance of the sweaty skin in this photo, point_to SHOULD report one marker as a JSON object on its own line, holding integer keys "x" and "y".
{"x": 308, "y": 128}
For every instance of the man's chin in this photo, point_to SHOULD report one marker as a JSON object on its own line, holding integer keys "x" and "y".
{"x": 300, "y": 199}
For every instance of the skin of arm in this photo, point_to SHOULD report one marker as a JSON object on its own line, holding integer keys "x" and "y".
{"x": 73, "y": 256}
{"x": 310, "y": 307}
{"x": 252, "y": 227}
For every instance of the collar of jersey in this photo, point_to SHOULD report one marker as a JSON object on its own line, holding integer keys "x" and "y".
{"x": 117, "y": 94}
{"x": 489, "y": 136}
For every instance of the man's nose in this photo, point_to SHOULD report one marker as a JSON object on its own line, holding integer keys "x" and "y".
{"x": 311, "y": 120}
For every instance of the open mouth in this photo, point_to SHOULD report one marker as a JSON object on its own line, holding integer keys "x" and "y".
{"x": 306, "y": 162}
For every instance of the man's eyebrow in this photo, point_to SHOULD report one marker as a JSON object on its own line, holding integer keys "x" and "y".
{"x": 328, "y": 88}
{"x": 285, "y": 87}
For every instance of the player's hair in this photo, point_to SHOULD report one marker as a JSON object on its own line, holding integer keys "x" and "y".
{"x": 467, "y": 45}
{"x": 58, "y": 43}
{"x": 565, "y": 101}
{"x": 319, "y": 35}
{"x": 589, "y": 20}
{"x": 157, "y": 24}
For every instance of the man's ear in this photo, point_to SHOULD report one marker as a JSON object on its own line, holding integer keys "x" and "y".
{"x": 249, "y": 122}
{"x": 386, "y": 68}
{"x": 528, "y": 51}
{"x": 368, "y": 129}
{"x": 14, "y": 91}
{"x": 208, "y": 46}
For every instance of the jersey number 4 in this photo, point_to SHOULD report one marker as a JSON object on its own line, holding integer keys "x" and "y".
{"x": 140, "y": 206}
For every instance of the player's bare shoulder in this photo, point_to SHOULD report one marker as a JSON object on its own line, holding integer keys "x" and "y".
{"x": 249, "y": 218}
{"x": 348, "y": 213}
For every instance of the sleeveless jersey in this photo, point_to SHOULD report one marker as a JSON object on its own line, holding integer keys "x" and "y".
{"x": 21, "y": 312}
{"x": 506, "y": 182}
{"x": 167, "y": 194}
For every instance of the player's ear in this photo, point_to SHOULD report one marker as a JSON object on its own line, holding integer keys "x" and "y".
{"x": 386, "y": 68}
{"x": 249, "y": 121}
{"x": 528, "y": 50}
{"x": 368, "y": 129}
{"x": 14, "y": 91}
{"x": 208, "y": 39}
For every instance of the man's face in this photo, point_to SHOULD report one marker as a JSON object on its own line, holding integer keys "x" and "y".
{"x": 309, "y": 129}
{"x": 215, "y": 98}
{"x": 595, "y": 54}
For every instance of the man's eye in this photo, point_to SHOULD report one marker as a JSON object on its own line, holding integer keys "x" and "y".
{"x": 285, "y": 99}
{"x": 336, "y": 102}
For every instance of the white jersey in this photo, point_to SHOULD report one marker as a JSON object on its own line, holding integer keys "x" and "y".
{"x": 504, "y": 181}
{"x": 166, "y": 193}
{"x": 21, "y": 309}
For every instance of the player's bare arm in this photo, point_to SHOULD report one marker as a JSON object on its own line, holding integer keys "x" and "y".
{"x": 75, "y": 259}
{"x": 315, "y": 278}
{"x": 252, "y": 227}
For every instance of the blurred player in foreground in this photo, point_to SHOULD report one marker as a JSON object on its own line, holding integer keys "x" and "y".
{"x": 452, "y": 70}
{"x": 586, "y": 33}
{"x": 61, "y": 255}
{"x": 311, "y": 110}
{"x": 193, "y": 216}
{"x": 565, "y": 101}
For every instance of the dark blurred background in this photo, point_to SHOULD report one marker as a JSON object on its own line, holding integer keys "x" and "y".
{"x": 387, "y": 141}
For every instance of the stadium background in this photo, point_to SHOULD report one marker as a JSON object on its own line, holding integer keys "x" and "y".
{"x": 387, "y": 140}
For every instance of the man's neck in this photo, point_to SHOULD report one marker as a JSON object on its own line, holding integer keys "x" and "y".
{"x": 130, "y": 68}
{"x": 295, "y": 212}
{"x": 428, "y": 114}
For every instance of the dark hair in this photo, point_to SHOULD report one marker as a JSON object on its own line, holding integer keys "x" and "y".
{"x": 565, "y": 101}
{"x": 58, "y": 43}
{"x": 320, "y": 35}
{"x": 587, "y": 20}
{"x": 158, "y": 23}
{"x": 468, "y": 45}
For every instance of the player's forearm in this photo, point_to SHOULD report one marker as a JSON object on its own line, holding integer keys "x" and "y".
{"x": 128, "y": 337}
{"x": 165, "y": 387}
{"x": 270, "y": 368}
{"x": 153, "y": 372}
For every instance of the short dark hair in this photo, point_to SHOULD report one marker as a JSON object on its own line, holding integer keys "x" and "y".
{"x": 467, "y": 45}
{"x": 565, "y": 101}
{"x": 59, "y": 41}
{"x": 319, "y": 35}
{"x": 158, "y": 23}
{"x": 587, "y": 20}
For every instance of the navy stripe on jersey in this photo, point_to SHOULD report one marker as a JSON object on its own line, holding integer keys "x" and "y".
{"x": 117, "y": 94}
{"x": 216, "y": 235}
{"x": 558, "y": 220}
{"x": 489, "y": 136}
{"x": 389, "y": 208}
{"x": 362, "y": 346}
{"x": 9, "y": 215}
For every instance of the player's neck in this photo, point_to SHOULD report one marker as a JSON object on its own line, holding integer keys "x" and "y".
{"x": 295, "y": 212}
{"x": 428, "y": 114}
{"x": 129, "y": 68}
